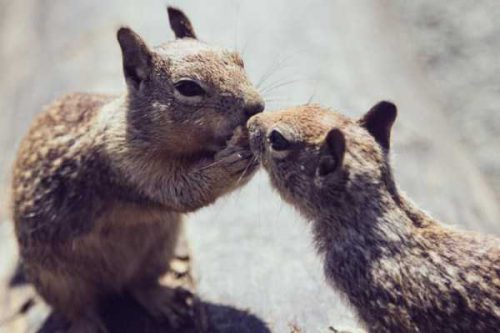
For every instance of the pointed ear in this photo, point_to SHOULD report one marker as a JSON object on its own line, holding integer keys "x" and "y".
{"x": 332, "y": 152}
{"x": 137, "y": 58}
{"x": 180, "y": 24}
{"x": 379, "y": 120}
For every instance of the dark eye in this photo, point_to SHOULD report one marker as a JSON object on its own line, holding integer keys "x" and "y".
{"x": 189, "y": 88}
{"x": 278, "y": 141}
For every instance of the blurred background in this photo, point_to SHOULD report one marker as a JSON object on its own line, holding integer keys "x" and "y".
{"x": 437, "y": 60}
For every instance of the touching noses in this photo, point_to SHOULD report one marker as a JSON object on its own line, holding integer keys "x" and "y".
{"x": 253, "y": 107}
{"x": 256, "y": 131}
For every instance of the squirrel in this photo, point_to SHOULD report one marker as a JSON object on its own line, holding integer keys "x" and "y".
{"x": 101, "y": 183}
{"x": 400, "y": 269}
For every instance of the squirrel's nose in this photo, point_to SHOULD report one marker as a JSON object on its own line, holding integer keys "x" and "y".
{"x": 256, "y": 132}
{"x": 254, "y": 107}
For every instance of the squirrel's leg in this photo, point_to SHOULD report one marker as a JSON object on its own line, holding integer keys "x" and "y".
{"x": 156, "y": 261}
{"x": 73, "y": 297}
{"x": 160, "y": 301}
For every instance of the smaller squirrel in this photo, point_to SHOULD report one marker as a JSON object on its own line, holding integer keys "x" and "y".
{"x": 401, "y": 269}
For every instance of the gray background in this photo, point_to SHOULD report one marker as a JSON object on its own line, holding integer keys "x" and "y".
{"x": 438, "y": 60}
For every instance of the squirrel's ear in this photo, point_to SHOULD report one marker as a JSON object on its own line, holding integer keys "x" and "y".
{"x": 180, "y": 24}
{"x": 379, "y": 120}
{"x": 137, "y": 58}
{"x": 331, "y": 152}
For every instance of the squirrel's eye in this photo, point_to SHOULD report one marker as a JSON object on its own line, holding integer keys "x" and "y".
{"x": 278, "y": 141}
{"x": 189, "y": 88}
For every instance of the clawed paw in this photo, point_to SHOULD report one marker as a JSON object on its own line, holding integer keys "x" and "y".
{"x": 237, "y": 161}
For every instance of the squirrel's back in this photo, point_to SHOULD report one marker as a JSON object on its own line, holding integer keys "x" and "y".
{"x": 54, "y": 166}
{"x": 402, "y": 270}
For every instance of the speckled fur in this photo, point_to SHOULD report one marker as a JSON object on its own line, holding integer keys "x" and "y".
{"x": 401, "y": 270}
{"x": 101, "y": 183}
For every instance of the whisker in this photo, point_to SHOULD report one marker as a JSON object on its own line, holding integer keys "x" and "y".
{"x": 279, "y": 85}
{"x": 270, "y": 72}
{"x": 278, "y": 65}
{"x": 211, "y": 165}
{"x": 279, "y": 212}
{"x": 244, "y": 49}
{"x": 309, "y": 101}
{"x": 236, "y": 26}
{"x": 243, "y": 174}
{"x": 313, "y": 95}
{"x": 275, "y": 82}
{"x": 277, "y": 99}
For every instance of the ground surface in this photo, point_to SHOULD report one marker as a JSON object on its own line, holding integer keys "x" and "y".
{"x": 437, "y": 61}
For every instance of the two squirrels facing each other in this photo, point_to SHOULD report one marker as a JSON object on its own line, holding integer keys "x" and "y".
{"x": 101, "y": 183}
{"x": 400, "y": 269}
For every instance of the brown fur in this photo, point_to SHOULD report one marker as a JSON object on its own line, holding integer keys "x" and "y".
{"x": 101, "y": 183}
{"x": 401, "y": 270}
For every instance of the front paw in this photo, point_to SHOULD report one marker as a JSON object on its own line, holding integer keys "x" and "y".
{"x": 237, "y": 158}
{"x": 237, "y": 161}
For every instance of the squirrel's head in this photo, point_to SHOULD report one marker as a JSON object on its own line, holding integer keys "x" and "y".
{"x": 317, "y": 158}
{"x": 185, "y": 96}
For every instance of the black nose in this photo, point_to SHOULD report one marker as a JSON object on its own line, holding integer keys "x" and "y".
{"x": 253, "y": 108}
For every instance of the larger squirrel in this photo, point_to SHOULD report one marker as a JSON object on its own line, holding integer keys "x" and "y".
{"x": 399, "y": 268}
{"x": 101, "y": 183}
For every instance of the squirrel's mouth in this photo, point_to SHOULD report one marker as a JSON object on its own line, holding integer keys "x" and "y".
{"x": 256, "y": 141}
{"x": 219, "y": 142}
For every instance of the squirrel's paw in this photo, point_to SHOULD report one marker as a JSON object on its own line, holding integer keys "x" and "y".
{"x": 167, "y": 304}
{"x": 238, "y": 161}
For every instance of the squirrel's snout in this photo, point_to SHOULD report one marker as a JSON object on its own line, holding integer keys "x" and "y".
{"x": 256, "y": 136}
{"x": 254, "y": 107}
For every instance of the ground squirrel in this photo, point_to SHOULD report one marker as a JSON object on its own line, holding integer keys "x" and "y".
{"x": 101, "y": 182}
{"x": 401, "y": 270}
